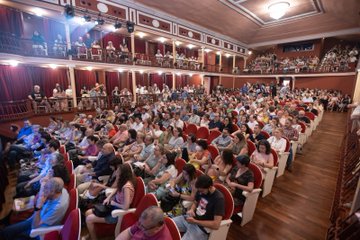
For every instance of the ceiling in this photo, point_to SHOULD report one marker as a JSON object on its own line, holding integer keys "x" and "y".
{"x": 248, "y": 21}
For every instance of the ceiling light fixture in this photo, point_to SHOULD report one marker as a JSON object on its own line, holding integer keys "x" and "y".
{"x": 218, "y": 53}
{"x": 117, "y": 25}
{"x": 177, "y": 43}
{"x": 190, "y": 46}
{"x": 249, "y": 52}
{"x": 161, "y": 39}
{"x": 277, "y": 10}
{"x": 120, "y": 70}
{"x": 89, "y": 68}
{"x": 38, "y": 12}
{"x": 130, "y": 26}
{"x": 179, "y": 74}
{"x": 87, "y": 18}
{"x": 53, "y": 66}
{"x": 160, "y": 72}
{"x": 69, "y": 11}
{"x": 227, "y": 55}
{"x": 99, "y": 21}
{"x": 190, "y": 74}
{"x": 141, "y": 71}
{"x": 13, "y": 63}
{"x": 141, "y": 34}
{"x": 207, "y": 50}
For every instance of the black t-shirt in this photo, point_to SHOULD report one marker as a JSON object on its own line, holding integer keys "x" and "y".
{"x": 210, "y": 205}
{"x": 219, "y": 125}
{"x": 38, "y": 97}
{"x": 243, "y": 179}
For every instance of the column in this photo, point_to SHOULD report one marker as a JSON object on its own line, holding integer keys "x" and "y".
{"x": 202, "y": 60}
{"x": 356, "y": 97}
{"x": 293, "y": 83}
{"x": 245, "y": 58}
{"x": 234, "y": 61}
{"x": 68, "y": 39}
{"x": 147, "y": 48}
{"x": 220, "y": 61}
{"x": 174, "y": 51}
{"x": 133, "y": 76}
{"x": 174, "y": 81}
{"x": 132, "y": 45}
{"x": 73, "y": 86}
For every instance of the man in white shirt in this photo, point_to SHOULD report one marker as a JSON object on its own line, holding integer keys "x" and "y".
{"x": 194, "y": 119}
{"x": 178, "y": 123}
{"x": 137, "y": 125}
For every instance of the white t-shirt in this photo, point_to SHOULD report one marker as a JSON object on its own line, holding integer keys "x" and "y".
{"x": 277, "y": 144}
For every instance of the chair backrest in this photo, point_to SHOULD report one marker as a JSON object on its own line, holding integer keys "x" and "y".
{"x": 235, "y": 127}
{"x": 73, "y": 203}
{"x": 72, "y": 182}
{"x": 310, "y": 115}
{"x": 179, "y": 165}
{"x": 261, "y": 124}
{"x": 66, "y": 157}
{"x": 130, "y": 218}
{"x": 174, "y": 231}
{"x": 203, "y": 133}
{"x": 258, "y": 176}
{"x": 303, "y": 126}
{"x": 191, "y": 128}
{"x": 72, "y": 227}
{"x": 229, "y": 201}
{"x": 62, "y": 149}
{"x": 139, "y": 192}
{"x": 275, "y": 156}
{"x": 213, "y": 151}
{"x": 199, "y": 173}
{"x": 251, "y": 147}
{"x": 234, "y": 113}
{"x": 69, "y": 166}
{"x": 287, "y": 148}
{"x": 266, "y": 134}
{"x": 95, "y": 51}
{"x": 300, "y": 109}
{"x": 213, "y": 134}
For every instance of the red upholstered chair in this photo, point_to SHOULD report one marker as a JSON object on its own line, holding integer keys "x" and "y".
{"x": 82, "y": 52}
{"x": 199, "y": 173}
{"x": 130, "y": 218}
{"x": 312, "y": 118}
{"x": 66, "y": 157}
{"x": 283, "y": 156}
{"x": 72, "y": 183}
{"x": 213, "y": 134}
{"x": 62, "y": 149}
{"x": 235, "y": 127}
{"x": 96, "y": 53}
{"x": 251, "y": 147}
{"x": 174, "y": 231}
{"x": 202, "y": 133}
{"x": 179, "y": 165}
{"x": 69, "y": 166}
{"x": 269, "y": 175}
{"x": 191, "y": 128}
{"x": 302, "y": 135}
{"x": 71, "y": 230}
{"x": 213, "y": 151}
{"x": 184, "y": 137}
{"x": 222, "y": 232}
{"x": 108, "y": 230}
{"x": 266, "y": 134}
{"x": 234, "y": 113}
{"x": 73, "y": 205}
{"x": 261, "y": 124}
{"x": 246, "y": 212}
{"x": 300, "y": 109}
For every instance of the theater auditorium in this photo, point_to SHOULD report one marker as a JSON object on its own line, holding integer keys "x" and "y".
{"x": 179, "y": 119}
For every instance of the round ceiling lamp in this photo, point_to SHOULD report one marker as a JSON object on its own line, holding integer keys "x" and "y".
{"x": 277, "y": 10}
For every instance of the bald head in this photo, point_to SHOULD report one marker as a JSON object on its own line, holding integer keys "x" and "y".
{"x": 53, "y": 187}
{"x": 154, "y": 213}
{"x": 108, "y": 148}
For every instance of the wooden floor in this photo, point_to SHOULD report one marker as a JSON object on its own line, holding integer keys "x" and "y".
{"x": 300, "y": 202}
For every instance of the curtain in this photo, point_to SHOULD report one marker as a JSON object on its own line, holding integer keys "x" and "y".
{"x": 81, "y": 31}
{"x": 84, "y": 78}
{"x": 52, "y": 29}
{"x": 140, "y": 45}
{"x": 112, "y": 80}
{"x": 11, "y": 22}
{"x": 158, "y": 79}
{"x": 116, "y": 39}
{"x": 17, "y": 83}
{"x": 168, "y": 80}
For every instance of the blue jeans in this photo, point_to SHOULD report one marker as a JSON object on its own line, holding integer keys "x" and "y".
{"x": 290, "y": 158}
{"x": 17, "y": 231}
{"x": 192, "y": 231}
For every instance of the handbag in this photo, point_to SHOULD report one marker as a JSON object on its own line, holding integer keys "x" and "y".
{"x": 169, "y": 202}
{"x": 101, "y": 210}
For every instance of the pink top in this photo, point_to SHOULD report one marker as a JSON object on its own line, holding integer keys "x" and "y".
{"x": 120, "y": 197}
{"x": 138, "y": 234}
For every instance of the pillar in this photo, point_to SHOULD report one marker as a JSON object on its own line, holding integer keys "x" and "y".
{"x": 133, "y": 76}
{"x": 174, "y": 51}
{"x": 68, "y": 38}
{"x": 245, "y": 58}
{"x": 132, "y": 45}
{"x": 234, "y": 61}
{"x": 73, "y": 85}
{"x": 356, "y": 97}
{"x": 202, "y": 60}
{"x": 293, "y": 83}
{"x": 174, "y": 81}
{"x": 147, "y": 48}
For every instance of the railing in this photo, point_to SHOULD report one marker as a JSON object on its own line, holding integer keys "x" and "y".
{"x": 344, "y": 223}
{"x": 12, "y": 110}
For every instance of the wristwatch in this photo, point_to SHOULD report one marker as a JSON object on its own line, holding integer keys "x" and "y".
{"x": 37, "y": 209}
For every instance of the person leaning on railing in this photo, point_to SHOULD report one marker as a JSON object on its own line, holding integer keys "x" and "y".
{"x": 39, "y": 99}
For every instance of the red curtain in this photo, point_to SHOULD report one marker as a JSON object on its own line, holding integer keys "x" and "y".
{"x": 84, "y": 78}
{"x": 112, "y": 80}
{"x": 168, "y": 80}
{"x": 80, "y": 31}
{"x": 10, "y": 20}
{"x": 17, "y": 83}
{"x": 116, "y": 39}
{"x": 158, "y": 79}
{"x": 140, "y": 46}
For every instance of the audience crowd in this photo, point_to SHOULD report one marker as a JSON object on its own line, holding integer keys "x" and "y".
{"x": 147, "y": 142}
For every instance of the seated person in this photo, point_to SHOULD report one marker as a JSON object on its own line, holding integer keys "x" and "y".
{"x": 222, "y": 141}
{"x": 221, "y": 166}
{"x": 240, "y": 179}
{"x": 201, "y": 156}
{"x": 97, "y": 168}
{"x": 205, "y": 213}
{"x": 110, "y": 49}
{"x": 216, "y": 124}
{"x": 80, "y": 42}
{"x": 39, "y": 44}
{"x": 262, "y": 156}
{"x": 148, "y": 170}
{"x": 238, "y": 146}
{"x": 96, "y": 45}
{"x": 165, "y": 172}
{"x": 38, "y": 98}
{"x": 277, "y": 142}
{"x": 183, "y": 187}
{"x": 149, "y": 226}
{"x": 121, "y": 136}
{"x": 50, "y": 208}
{"x": 257, "y": 135}
{"x": 176, "y": 141}
{"x": 136, "y": 147}
{"x": 90, "y": 151}
{"x": 159, "y": 57}
{"x": 59, "y": 45}
{"x": 121, "y": 198}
